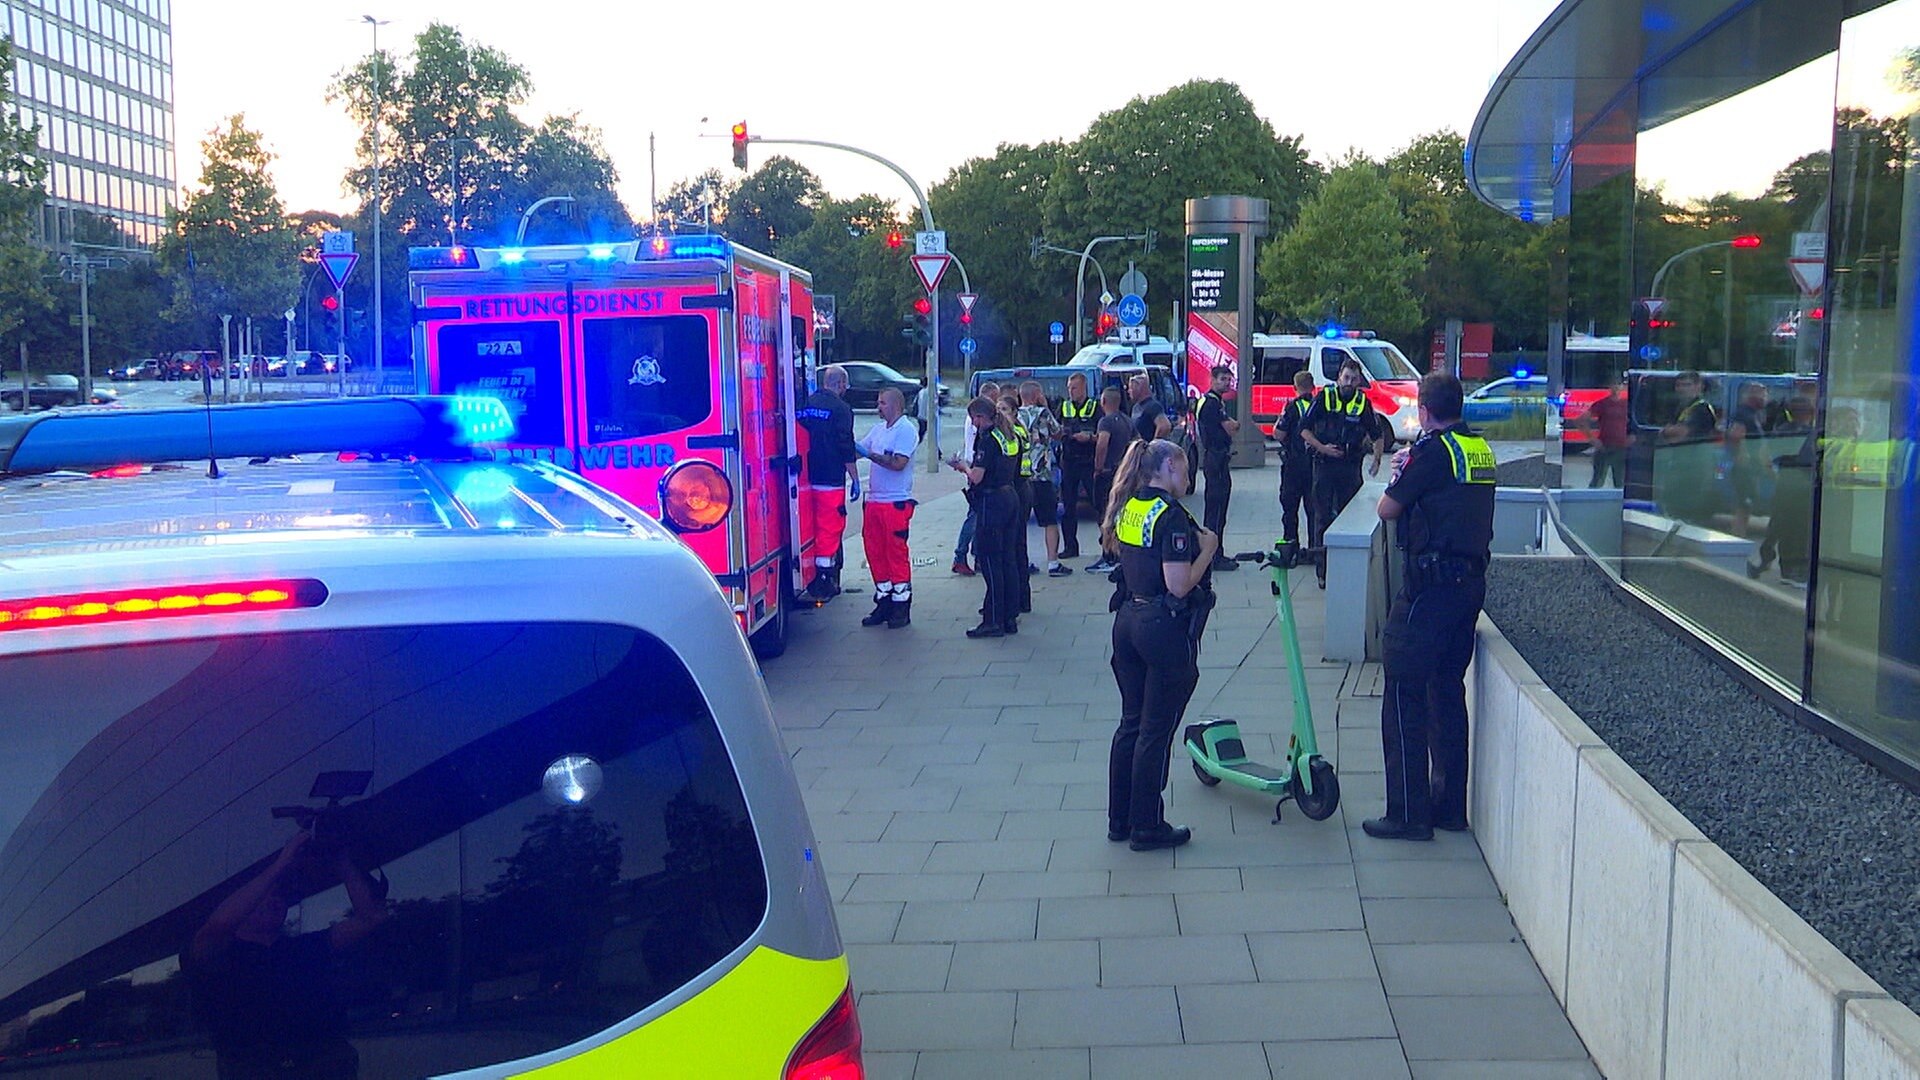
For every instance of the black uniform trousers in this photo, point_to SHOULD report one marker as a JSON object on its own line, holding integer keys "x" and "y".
{"x": 1214, "y": 466}
{"x": 1076, "y": 479}
{"x": 1296, "y": 480}
{"x": 1157, "y": 665}
{"x": 1423, "y": 710}
{"x": 999, "y": 516}
{"x": 1023, "y": 589}
{"x": 1335, "y": 481}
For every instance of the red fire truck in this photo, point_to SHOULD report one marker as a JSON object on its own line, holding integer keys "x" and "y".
{"x": 665, "y": 369}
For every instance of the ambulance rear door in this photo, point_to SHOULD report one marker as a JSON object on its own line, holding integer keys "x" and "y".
{"x": 763, "y": 502}
{"x": 477, "y": 332}
{"x": 650, "y": 346}
{"x": 797, "y": 346}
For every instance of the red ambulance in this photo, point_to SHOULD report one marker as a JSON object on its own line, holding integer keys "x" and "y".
{"x": 665, "y": 369}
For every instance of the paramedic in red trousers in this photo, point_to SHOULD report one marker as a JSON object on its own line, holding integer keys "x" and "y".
{"x": 830, "y": 467}
{"x": 888, "y": 511}
{"x": 1441, "y": 504}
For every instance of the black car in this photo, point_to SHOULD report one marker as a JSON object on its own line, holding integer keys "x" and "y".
{"x": 866, "y": 378}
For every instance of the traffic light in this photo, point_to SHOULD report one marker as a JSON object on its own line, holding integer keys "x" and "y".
{"x": 740, "y": 145}
{"x": 1105, "y": 323}
{"x": 329, "y": 303}
{"x": 919, "y": 328}
{"x": 966, "y": 318}
{"x": 1646, "y": 340}
{"x": 895, "y": 239}
{"x": 1746, "y": 241}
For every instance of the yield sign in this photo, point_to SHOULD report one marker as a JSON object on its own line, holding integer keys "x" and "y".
{"x": 1809, "y": 274}
{"x": 1653, "y": 304}
{"x": 930, "y": 268}
{"x": 338, "y": 264}
{"x": 967, "y": 300}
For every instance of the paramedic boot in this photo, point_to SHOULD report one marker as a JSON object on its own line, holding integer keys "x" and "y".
{"x": 883, "y": 609}
{"x": 902, "y": 615}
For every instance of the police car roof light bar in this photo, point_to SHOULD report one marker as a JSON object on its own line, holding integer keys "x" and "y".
{"x": 426, "y": 427}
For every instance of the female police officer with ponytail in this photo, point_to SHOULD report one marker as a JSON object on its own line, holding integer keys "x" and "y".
{"x": 1160, "y": 604}
{"x": 990, "y": 479}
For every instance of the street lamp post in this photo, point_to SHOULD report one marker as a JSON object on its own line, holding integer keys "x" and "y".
{"x": 379, "y": 371}
{"x": 1080, "y": 287}
{"x": 1660, "y": 277}
{"x": 520, "y": 235}
{"x": 932, "y": 410}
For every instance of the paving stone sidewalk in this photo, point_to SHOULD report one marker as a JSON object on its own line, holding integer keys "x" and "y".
{"x": 958, "y": 790}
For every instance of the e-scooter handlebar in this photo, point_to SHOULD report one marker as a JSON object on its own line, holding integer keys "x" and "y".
{"x": 1284, "y": 556}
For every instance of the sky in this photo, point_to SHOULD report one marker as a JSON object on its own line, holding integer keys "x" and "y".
{"x": 926, "y": 85}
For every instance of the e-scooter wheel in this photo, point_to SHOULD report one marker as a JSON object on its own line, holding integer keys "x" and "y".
{"x": 1205, "y": 777}
{"x": 1320, "y": 804}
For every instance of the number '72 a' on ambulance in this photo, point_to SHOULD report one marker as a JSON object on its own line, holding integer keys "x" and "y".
{"x": 665, "y": 369}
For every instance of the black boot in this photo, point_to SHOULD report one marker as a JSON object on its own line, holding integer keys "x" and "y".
{"x": 882, "y": 612}
{"x": 902, "y": 615}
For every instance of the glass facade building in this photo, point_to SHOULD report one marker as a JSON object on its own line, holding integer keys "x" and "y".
{"x": 1733, "y": 186}
{"x": 96, "y": 78}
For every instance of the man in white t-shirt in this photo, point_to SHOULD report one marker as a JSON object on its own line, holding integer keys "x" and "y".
{"x": 889, "y": 446}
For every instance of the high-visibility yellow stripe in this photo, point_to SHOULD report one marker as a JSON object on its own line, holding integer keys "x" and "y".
{"x": 746, "y": 1025}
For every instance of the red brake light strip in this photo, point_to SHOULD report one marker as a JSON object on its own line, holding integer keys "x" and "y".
{"x": 47, "y": 612}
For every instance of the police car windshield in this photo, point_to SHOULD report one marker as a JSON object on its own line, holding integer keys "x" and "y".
{"x": 1384, "y": 362}
{"x": 645, "y": 376}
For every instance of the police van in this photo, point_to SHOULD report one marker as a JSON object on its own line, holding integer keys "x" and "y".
{"x": 335, "y": 750}
{"x": 1392, "y": 382}
{"x": 666, "y": 369}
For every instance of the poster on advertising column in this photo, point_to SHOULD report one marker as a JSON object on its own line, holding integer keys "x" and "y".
{"x": 1213, "y": 307}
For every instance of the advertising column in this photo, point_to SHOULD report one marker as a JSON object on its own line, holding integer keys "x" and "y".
{"x": 1223, "y": 232}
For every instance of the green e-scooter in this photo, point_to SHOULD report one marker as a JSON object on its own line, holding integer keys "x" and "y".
{"x": 1218, "y": 754}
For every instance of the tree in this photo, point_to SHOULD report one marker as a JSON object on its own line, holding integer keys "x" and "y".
{"x": 1135, "y": 168}
{"x": 773, "y": 203}
{"x": 1480, "y": 264}
{"x": 23, "y": 179}
{"x": 845, "y": 248}
{"x": 991, "y": 209}
{"x": 231, "y": 250}
{"x": 448, "y": 110}
{"x": 1347, "y": 260}
{"x": 687, "y": 203}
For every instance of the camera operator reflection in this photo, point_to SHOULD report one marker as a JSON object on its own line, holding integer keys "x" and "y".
{"x": 266, "y": 996}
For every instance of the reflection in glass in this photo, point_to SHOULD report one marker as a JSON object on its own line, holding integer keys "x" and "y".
{"x": 1725, "y": 346}
{"x": 1866, "y": 603}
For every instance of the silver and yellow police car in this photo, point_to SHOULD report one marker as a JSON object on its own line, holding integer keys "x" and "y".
{"x": 331, "y": 748}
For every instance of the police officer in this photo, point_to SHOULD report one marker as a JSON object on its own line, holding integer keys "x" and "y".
{"x": 1022, "y": 487}
{"x": 990, "y": 479}
{"x": 1160, "y": 606}
{"x": 1340, "y": 427}
{"x": 1079, "y": 436}
{"x": 1217, "y": 428}
{"x": 1441, "y": 501}
{"x": 831, "y": 468}
{"x": 1296, "y": 461}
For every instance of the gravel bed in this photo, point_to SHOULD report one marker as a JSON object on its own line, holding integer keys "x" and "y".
{"x": 1527, "y": 472}
{"x": 1830, "y": 835}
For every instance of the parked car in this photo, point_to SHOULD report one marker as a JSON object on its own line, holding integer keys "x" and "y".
{"x": 866, "y": 378}
{"x": 1499, "y": 399}
{"x": 55, "y": 392}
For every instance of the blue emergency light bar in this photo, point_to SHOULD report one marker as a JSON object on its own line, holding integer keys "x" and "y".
{"x": 85, "y": 441}
{"x": 659, "y": 247}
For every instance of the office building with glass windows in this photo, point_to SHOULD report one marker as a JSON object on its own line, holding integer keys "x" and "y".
{"x": 1734, "y": 185}
{"x": 96, "y": 78}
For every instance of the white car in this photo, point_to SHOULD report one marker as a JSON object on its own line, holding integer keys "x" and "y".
{"x": 303, "y": 747}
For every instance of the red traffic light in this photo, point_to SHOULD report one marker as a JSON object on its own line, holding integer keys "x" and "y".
{"x": 923, "y": 306}
{"x": 966, "y": 316}
{"x": 1746, "y": 241}
{"x": 330, "y": 303}
{"x": 894, "y": 239}
{"x": 1106, "y": 322}
{"x": 740, "y": 144}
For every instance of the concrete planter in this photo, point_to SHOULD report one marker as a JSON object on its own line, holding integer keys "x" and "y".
{"x": 1671, "y": 959}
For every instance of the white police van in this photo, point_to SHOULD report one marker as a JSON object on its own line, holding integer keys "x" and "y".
{"x": 334, "y": 749}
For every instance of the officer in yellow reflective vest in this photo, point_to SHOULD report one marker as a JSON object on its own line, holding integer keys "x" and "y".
{"x": 1023, "y": 487}
{"x": 1079, "y": 433}
{"x": 1160, "y": 606}
{"x": 1441, "y": 501}
{"x": 1340, "y": 427}
{"x": 990, "y": 490}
